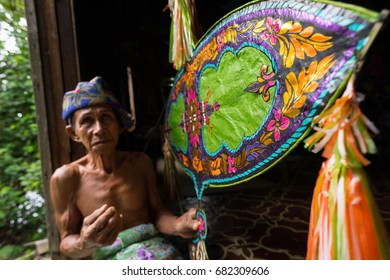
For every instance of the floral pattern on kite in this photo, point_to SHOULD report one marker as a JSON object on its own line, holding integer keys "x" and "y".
{"x": 255, "y": 82}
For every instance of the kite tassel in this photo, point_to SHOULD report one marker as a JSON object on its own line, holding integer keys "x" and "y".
{"x": 170, "y": 173}
{"x": 184, "y": 29}
{"x": 344, "y": 220}
{"x": 198, "y": 250}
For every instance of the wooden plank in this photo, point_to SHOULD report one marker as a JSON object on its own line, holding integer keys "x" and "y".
{"x": 43, "y": 125}
{"x": 47, "y": 62}
{"x": 69, "y": 57}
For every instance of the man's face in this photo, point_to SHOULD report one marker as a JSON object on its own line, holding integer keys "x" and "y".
{"x": 97, "y": 128}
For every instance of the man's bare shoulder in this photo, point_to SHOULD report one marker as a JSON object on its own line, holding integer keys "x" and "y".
{"x": 67, "y": 173}
{"x": 63, "y": 184}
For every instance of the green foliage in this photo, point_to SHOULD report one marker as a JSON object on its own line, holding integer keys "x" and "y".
{"x": 22, "y": 212}
{"x": 10, "y": 252}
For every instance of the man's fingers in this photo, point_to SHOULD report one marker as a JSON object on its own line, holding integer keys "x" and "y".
{"x": 99, "y": 218}
{"x": 109, "y": 231}
{"x": 95, "y": 215}
{"x": 115, "y": 221}
{"x": 103, "y": 219}
{"x": 109, "y": 234}
{"x": 192, "y": 213}
{"x": 195, "y": 226}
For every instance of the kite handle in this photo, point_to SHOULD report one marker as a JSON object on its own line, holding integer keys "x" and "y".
{"x": 198, "y": 247}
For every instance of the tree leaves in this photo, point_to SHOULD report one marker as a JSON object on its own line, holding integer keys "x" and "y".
{"x": 20, "y": 168}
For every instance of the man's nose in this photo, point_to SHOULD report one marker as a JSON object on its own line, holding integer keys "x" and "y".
{"x": 99, "y": 128}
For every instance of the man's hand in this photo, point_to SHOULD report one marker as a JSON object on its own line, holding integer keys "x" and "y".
{"x": 187, "y": 226}
{"x": 102, "y": 226}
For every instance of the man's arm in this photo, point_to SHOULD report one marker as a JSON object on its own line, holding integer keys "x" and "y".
{"x": 165, "y": 221}
{"x": 80, "y": 237}
{"x": 95, "y": 232}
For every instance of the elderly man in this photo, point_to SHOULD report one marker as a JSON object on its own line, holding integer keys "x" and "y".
{"x": 107, "y": 204}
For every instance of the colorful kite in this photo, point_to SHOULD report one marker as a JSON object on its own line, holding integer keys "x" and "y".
{"x": 254, "y": 84}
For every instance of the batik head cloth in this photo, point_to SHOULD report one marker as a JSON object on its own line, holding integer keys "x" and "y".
{"x": 93, "y": 93}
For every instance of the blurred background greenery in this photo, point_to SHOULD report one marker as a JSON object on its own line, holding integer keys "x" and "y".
{"x": 22, "y": 209}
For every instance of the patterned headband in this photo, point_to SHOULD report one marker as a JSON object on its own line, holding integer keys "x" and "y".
{"x": 92, "y": 93}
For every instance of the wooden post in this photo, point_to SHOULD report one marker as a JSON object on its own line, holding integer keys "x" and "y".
{"x": 55, "y": 69}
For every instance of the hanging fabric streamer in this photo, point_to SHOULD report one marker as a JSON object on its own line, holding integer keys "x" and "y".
{"x": 170, "y": 176}
{"x": 345, "y": 222}
{"x": 183, "y": 36}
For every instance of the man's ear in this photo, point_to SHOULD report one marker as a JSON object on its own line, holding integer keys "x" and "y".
{"x": 69, "y": 129}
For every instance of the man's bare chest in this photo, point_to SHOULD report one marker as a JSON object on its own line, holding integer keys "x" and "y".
{"x": 125, "y": 193}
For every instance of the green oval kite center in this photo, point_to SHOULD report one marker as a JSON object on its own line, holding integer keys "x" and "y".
{"x": 241, "y": 113}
